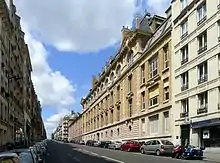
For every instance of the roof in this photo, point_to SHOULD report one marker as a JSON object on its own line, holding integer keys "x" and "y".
{"x": 159, "y": 33}
{"x": 8, "y": 154}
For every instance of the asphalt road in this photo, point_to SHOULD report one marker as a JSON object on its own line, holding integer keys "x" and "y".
{"x": 72, "y": 153}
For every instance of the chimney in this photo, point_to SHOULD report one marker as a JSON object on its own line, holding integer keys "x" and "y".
{"x": 138, "y": 22}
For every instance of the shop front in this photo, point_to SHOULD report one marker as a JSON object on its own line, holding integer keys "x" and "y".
{"x": 208, "y": 132}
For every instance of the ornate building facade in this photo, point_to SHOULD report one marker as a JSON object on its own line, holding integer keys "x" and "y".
{"x": 15, "y": 78}
{"x": 131, "y": 97}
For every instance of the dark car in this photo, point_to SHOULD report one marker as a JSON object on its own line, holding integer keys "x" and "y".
{"x": 90, "y": 142}
{"x": 26, "y": 155}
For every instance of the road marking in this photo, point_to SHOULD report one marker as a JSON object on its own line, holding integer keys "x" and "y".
{"x": 94, "y": 154}
{"x": 112, "y": 159}
{"x": 76, "y": 159}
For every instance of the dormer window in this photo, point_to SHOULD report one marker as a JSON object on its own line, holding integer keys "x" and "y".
{"x": 130, "y": 58}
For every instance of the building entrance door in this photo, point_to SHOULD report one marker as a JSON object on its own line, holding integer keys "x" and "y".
{"x": 185, "y": 134}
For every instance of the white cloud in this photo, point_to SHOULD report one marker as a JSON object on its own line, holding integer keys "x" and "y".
{"x": 158, "y": 6}
{"x": 53, "y": 89}
{"x": 71, "y": 25}
{"x": 77, "y": 25}
{"x": 52, "y": 122}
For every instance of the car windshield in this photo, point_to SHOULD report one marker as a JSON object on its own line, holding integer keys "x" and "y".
{"x": 26, "y": 157}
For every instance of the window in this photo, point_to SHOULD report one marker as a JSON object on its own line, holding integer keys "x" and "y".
{"x": 184, "y": 81}
{"x": 202, "y": 42}
{"x": 201, "y": 13}
{"x": 154, "y": 101}
{"x": 183, "y": 4}
{"x": 142, "y": 100}
{"x": 112, "y": 98}
{"x": 106, "y": 118}
{"x": 166, "y": 122}
{"x": 142, "y": 74}
{"x": 112, "y": 77}
{"x": 118, "y": 113}
{"x": 153, "y": 67}
{"x": 118, "y": 93}
{"x": 129, "y": 84}
{"x": 118, "y": 71}
{"x": 130, "y": 108}
{"x": 166, "y": 57}
{"x": 143, "y": 127}
{"x": 185, "y": 105}
{"x": 106, "y": 83}
{"x": 184, "y": 26}
{"x": 218, "y": 24}
{"x": 154, "y": 124}
{"x": 202, "y": 73}
{"x": 203, "y": 99}
{"x": 111, "y": 114}
{"x": 130, "y": 58}
{"x": 166, "y": 94}
{"x": 111, "y": 133}
{"x": 184, "y": 55}
{"x": 118, "y": 131}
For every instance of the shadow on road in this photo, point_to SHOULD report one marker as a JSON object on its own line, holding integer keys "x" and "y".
{"x": 65, "y": 153}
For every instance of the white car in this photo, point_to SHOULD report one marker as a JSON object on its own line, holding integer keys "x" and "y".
{"x": 115, "y": 145}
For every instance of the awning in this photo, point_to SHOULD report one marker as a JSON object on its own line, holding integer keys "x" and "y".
{"x": 206, "y": 123}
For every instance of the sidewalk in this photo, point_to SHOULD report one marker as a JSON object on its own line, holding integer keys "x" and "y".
{"x": 212, "y": 156}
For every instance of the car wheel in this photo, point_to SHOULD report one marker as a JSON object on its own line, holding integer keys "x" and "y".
{"x": 158, "y": 152}
{"x": 121, "y": 149}
{"x": 142, "y": 150}
{"x": 177, "y": 155}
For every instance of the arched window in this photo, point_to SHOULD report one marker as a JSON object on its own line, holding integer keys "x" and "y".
{"x": 106, "y": 82}
{"x": 101, "y": 88}
{"x": 118, "y": 71}
{"x": 112, "y": 76}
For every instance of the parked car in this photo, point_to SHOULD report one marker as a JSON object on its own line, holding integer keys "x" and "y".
{"x": 177, "y": 151}
{"x": 9, "y": 157}
{"x": 27, "y": 155}
{"x": 97, "y": 143}
{"x": 115, "y": 145}
{"x": 157, "y": 147}
{"x": 192, "y": 152}
{"x": 82, "y": 142}
{"x": 130, "y": 146}
{"x": 90, "y": 142}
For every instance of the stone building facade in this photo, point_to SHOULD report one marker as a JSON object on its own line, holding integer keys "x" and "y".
{"x": 15, "y": 78}
{"x": 131, "y": 97}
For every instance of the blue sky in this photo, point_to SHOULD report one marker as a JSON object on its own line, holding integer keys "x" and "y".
{"x": 69, "y": 41}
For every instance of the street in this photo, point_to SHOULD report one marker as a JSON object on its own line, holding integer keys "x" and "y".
{"x": 72, "y": 153}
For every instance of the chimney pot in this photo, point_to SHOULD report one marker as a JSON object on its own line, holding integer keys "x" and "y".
{"x": 138, "y": 22}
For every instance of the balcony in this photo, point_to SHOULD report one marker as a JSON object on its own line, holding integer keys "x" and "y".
{"x": 184, "y": 87}
{"x": 203, "y": 79}
{"x": 202, "y": 109}
{"x": 184, "y": 35}
{"x": 185, "y": 60}
{"x": 202, "y": 49}
{"x": 201, "y": 21}
{"x": 184, "y": 114}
